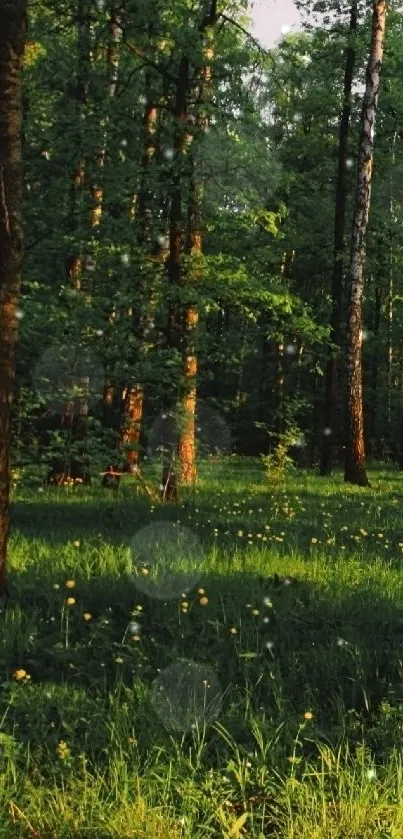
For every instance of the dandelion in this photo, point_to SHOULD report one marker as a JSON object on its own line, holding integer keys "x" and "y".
{"x": 70, "y": 583}
{"x": 56, "y": 586}
{"x": 233, "y": 630}
{"x": 308, "y": 715}
{"x": 270, "y": 645}
{"x": 145, "y": 572}
{"x": 87, "y": 616}
{"x": 20, "y": 674}
{"x": 201, "y": 591}
{"x": 77, "y": 543}
{"x": 119, "y": 660}
{"x": 314, "y": 541}
{"x": 371, "y": 774}
{"x": 255, "y": 612}
{"x": 70, "y": 601}
{"x": 203, "y": 601}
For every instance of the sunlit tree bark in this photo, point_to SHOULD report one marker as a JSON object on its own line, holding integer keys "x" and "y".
{"x": 186, "y": 445}
{"x": 134, "y": 394}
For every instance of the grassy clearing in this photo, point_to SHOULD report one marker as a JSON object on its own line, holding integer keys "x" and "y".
{"x": 293, "y": 622}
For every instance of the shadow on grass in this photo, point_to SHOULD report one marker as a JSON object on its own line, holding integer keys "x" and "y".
{"x": 310, "y": 647}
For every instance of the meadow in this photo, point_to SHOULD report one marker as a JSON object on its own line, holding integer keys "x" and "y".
{"x": 264, "y": 700}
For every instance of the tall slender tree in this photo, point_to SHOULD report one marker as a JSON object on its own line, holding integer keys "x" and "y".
{"x": 338, "y": 253}
{"x": 355, "y": 468}
{"x": 13, "y": 22}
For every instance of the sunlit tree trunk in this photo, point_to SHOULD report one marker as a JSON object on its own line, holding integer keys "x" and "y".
{"x": 12, "y": 38}
{"x": 180, "y": 326}
{"x": 134, "y": 393}
{"x": 186, "y": 445}
{"x": 173, "y": 264}
{"x": 133, "y": 413}
{"x": 329, "y": 419}
{"x": 355, "y": 469}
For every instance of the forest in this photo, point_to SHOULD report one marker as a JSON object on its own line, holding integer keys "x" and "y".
{"x": 201, "y": 421}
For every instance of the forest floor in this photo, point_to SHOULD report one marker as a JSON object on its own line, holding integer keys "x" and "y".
{"x": 250, "y": 684}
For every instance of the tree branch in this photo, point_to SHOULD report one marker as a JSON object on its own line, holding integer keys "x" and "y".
{"x": 249, "y": 35}
{"x": 141, "y": 54}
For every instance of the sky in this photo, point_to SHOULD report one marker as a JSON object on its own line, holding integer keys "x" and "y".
{"x": 269, "y": 16}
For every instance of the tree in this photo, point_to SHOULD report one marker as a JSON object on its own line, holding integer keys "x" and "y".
{"x": 13, "y": 22}
{"x": 355, "y": 471}
{"x": 339, "y": 232}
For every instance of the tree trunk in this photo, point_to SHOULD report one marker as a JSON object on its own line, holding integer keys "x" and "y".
{"x": 112, "y": 60}
{"x": 134, "y": 401}
{"x": 392, "y": 217}
{"x": 180, "y": 329}
{"x": 329, "y": 418}
{"x": 186, "y": 446}
{"x": 13, "y": 22}
{"x": 173, "y": 264}
{"x": 355, "y": 470}
{"x": 373, "y": 437}
{"x": 133, "y": 412}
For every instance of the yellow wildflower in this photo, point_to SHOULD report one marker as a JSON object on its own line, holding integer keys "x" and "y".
{"x": 19, "y": 674}
{"x": 62, "y": 749}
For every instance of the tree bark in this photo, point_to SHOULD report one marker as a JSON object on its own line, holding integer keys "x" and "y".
{"x": 133, "y": 413}
{"x": 13, "y": 23}
{"x": 329, "y": 419}
{"x": 176, "y": 237}
{"x": 180, "y": 329}
{"x": 134, "y": 400}
{"x": 186, "y": 445}
{"x": 112, "y": 61}
{"x": 355, "y": 469}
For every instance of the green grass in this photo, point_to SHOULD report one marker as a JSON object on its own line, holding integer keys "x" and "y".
{"x": 115, "y": 735}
